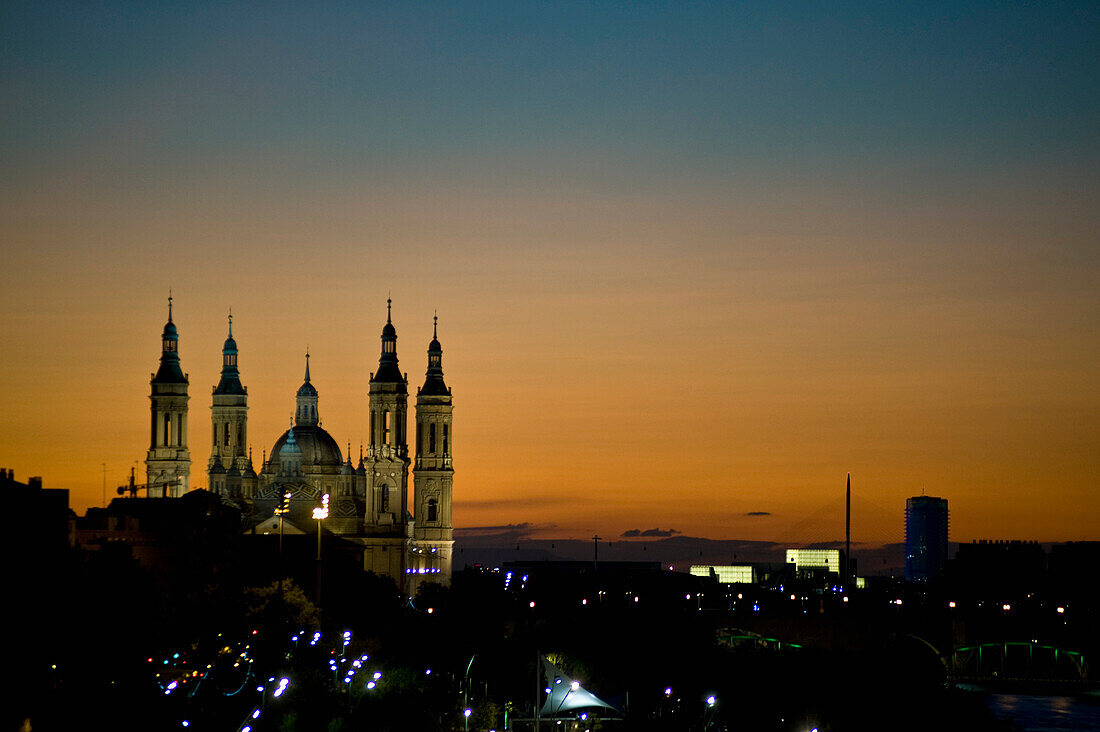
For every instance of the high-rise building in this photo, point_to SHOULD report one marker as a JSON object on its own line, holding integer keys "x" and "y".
{"x": 925, "y": 538}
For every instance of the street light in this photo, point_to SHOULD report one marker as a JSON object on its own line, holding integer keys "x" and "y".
{"x": 320, "y": 514}
{"x": 281, "y": 509}
{"x": 466, "y": 722}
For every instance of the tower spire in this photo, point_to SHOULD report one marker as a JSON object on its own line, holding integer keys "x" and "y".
{"x": 169, "y": 304}
{"x": 847, "y": 534}
{"x": 307, "y": 415}
{"x": 230, "y": 322}
{"x": 434, "y": 385}
{"x": 388, "y": 370}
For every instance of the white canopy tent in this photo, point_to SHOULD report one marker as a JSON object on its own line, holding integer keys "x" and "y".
{"x": 566, "y": 697}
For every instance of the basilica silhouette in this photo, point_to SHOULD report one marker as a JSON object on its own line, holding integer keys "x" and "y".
{"x": 368, "y": 501}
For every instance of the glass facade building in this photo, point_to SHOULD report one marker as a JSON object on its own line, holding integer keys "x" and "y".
{"x": 925, "y": 538}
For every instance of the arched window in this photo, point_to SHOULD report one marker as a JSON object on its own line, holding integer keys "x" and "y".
{"x": 446, "y": 445}
{"x": 384, "y": 499}
{"x": 433, "y": 511}
{"x": 167, "y": 428}
{"x": 431, "y": 438}
{"x": 227, "y": 434}
{"x": 386, "y": 427}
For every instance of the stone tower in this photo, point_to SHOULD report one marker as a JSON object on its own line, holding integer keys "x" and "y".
{"x": 229, "y": 416}
{"x": 387, "y": 460}
{"x": 433, "y": 474}
{"x": 168, "y": 463}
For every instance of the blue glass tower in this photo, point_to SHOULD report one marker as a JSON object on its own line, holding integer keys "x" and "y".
{"x": 925, "y": 538}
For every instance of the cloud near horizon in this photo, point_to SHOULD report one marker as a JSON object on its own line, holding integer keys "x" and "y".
{"x": 524, "y": 527}
{"x": 759, "y": 513}
{"x": 631, "y": 533}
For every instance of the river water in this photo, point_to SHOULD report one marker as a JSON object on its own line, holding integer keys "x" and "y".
{"x": 1034, "y": 713}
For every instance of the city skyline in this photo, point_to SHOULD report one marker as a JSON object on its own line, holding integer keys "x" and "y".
{"x": 692, "y": 265}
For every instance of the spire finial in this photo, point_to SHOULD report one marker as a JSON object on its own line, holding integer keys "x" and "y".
{"x": 307, "y": 363}
{"x": 230, "y": 322}
{"x": 388, "y": 303}
{"x": 435, "y": 325}
{"x": 169, "y": 304}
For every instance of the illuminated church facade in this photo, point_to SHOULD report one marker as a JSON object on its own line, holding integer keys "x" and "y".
{"x": 368, "y": 501}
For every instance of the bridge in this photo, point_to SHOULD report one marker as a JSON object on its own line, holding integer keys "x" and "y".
{"x": 1016, "y": 661}
{"x": 737, "y": 638}
{"x": 1020, "y": 662}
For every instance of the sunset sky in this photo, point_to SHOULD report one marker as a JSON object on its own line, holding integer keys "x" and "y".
{"x": 692, "y": 261}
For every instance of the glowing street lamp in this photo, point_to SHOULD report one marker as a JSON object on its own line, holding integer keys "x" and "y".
{"x": 281, "y": 509}
{"x": 466, "y": 721}
{"x": 320, "y": 513}
{"x": 708, "y": 711}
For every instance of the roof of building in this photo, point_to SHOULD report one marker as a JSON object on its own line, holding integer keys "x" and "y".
{"x": 317, "y": 446}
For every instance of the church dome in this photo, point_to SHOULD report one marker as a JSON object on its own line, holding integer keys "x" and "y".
{"x": 317, "y": 447}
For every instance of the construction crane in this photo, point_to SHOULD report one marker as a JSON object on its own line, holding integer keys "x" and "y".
{"x": 132, "y": 487}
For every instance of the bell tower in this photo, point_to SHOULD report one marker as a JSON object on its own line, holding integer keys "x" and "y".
{"x": 433, "y": 473}
{"x": 387, "y": 462}
{"x": 229, "y": 416}
{"x": 386, "y": 467}
{"x": 168, "y": 462}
